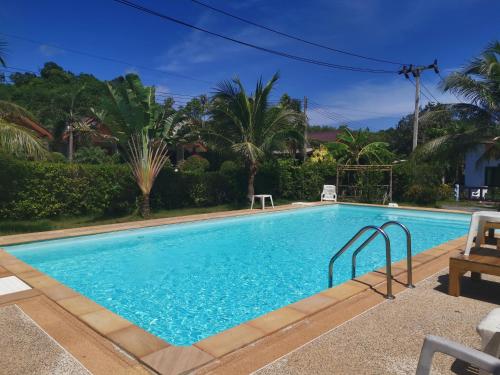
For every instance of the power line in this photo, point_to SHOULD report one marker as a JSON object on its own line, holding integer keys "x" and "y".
{"x": 105, "y": 58}
{"x": 294, "y": 37}
{"x": 254, "y": 46}
{"x": 354, "y": 109}
{"x": 455, "y": 95}
{"x": 338, "y": 116}
{"x": 429, "y": 91}
{"x": 332, "y": 116}
{"x": 421, "y": 92}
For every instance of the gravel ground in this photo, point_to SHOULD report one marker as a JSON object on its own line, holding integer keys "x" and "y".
{"x": 27, "y": 349}
{"x": 388, "y": 338}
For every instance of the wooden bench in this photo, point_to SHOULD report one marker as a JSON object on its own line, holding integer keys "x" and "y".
{"x": 480, "y": 261}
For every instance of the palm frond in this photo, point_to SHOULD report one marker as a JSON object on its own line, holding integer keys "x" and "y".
{"x": 19, "y": 141}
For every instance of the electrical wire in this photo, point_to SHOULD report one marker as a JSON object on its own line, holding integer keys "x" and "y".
{"x": 421, "y": 92}
{"x": 250, "y": 45}
{"x": 455, "y": 95}
{"x": 330, "y": 111}
{"x": 428, "y": 91}
{"x": 294, "y": 37}
{"x": 105, "y": 58}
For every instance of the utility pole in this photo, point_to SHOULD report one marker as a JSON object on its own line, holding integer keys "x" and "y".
{"x": 70, "y": 142}
{"x": 417, "y": 110}
{"x": 416, "y": 71}
{"x": 304, "y": 151}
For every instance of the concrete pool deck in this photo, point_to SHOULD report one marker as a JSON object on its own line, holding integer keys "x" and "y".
{"x": 387, "y": 339}
{"x": 241, "y": 349}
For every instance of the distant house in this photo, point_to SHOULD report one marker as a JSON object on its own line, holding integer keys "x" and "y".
{"x": 35, "y": 127}
{"x": 481, "y": 172}
{"x": 101, "y": 136}
{"x": 324, "y": 136}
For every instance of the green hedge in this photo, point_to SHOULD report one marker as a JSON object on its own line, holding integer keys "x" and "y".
{"x": 290, "y": 179}
{"x": 34, "y": 190}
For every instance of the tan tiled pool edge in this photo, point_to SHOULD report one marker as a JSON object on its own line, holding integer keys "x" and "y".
{"x": 106, "y": 228}
{"x": 170, "y": 359}
{"x": 97, "y": 229}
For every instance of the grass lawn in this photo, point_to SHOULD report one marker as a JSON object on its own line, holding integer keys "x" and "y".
{"x": 41, "y": 225}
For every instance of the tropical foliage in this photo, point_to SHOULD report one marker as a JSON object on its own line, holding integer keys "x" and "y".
{"x": 355, "y": 147}
{"x": 140, "y": 117}
{"x": 249, "y": 126}
{"x": 14, "y": 138}
{"x": 478, "y": 83}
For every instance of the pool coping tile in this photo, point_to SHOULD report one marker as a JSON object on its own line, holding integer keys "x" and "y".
{"x": 136, "y": 341}
{"x": 105, "y": 321}
{"x": 177, "y": 359}
{"x": 41, "y": 282}
{"x": 313, "y": 304}
{"x": 277, "y": 319}
{"x": 79, "y": 305}
{"x": 165, "y": 358}
{"x": 58, "y": 292}
{"x": 345, "y": 290}
{"x": 229, "y": 340}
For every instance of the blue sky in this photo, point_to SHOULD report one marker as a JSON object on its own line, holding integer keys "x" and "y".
{"x": 452, "y": 31}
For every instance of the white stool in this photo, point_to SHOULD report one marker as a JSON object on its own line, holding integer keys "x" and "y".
{"x": 262, "y": 198}
{"x": 476, "y": 228}
{"x": 489, "y": 330}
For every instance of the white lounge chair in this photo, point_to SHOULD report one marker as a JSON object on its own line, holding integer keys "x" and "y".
{"x": 329, "y": 193}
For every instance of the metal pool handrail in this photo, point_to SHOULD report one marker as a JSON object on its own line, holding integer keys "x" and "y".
{"x": 408, "y": 250}
{"x": 387, "y": 256}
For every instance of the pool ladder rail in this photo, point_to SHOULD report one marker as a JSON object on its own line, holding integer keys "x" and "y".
{"x": 378, "y": 231}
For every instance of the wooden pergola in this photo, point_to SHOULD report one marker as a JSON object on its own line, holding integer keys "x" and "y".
{"x": 351, "y": 187}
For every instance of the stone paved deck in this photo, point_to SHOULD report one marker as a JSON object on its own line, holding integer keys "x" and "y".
{"x": 387, "y": 339}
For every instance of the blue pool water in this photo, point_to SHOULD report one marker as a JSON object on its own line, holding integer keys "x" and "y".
{"x": 185, "y": 282}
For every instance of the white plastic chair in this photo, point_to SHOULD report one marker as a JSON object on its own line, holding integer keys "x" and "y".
{"x": 479, "y": 193}
{"x": 435, "y": 344}
{"x": 329, "y": 193}
{"x": 476, "y": 228}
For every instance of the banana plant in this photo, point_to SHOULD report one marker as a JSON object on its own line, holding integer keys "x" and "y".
{"x": 142, "y": 120}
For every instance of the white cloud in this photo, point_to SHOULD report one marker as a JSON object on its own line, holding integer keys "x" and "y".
{"x": 199, "y": 48}
{"x": 131, "y": 70}
{"x": 370, "y": 100}
{"x": 49, "y": 51}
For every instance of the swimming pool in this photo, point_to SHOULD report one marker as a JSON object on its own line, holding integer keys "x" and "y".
{"x": 185, "y": 282}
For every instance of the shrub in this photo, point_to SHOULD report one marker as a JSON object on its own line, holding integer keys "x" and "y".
{"x": 289, "y": 179}
{"x": 445, "y": 192}
{"x": 33, "y": 190}
{"x": 423, "y": 194}
{"x": 228, "y": 167}
{"x": 57, "y": 157}
{"x": 94, "y": 155}
{"x": 194, "y": 164}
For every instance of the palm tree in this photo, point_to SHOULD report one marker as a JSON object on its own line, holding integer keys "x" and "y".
{"x": 356, "y": 148}
{"x": 248, "y": 125}
{"x": 479, "y": 83}
{"x": 14, "y": 138}
{"x": 142, "y": 119}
